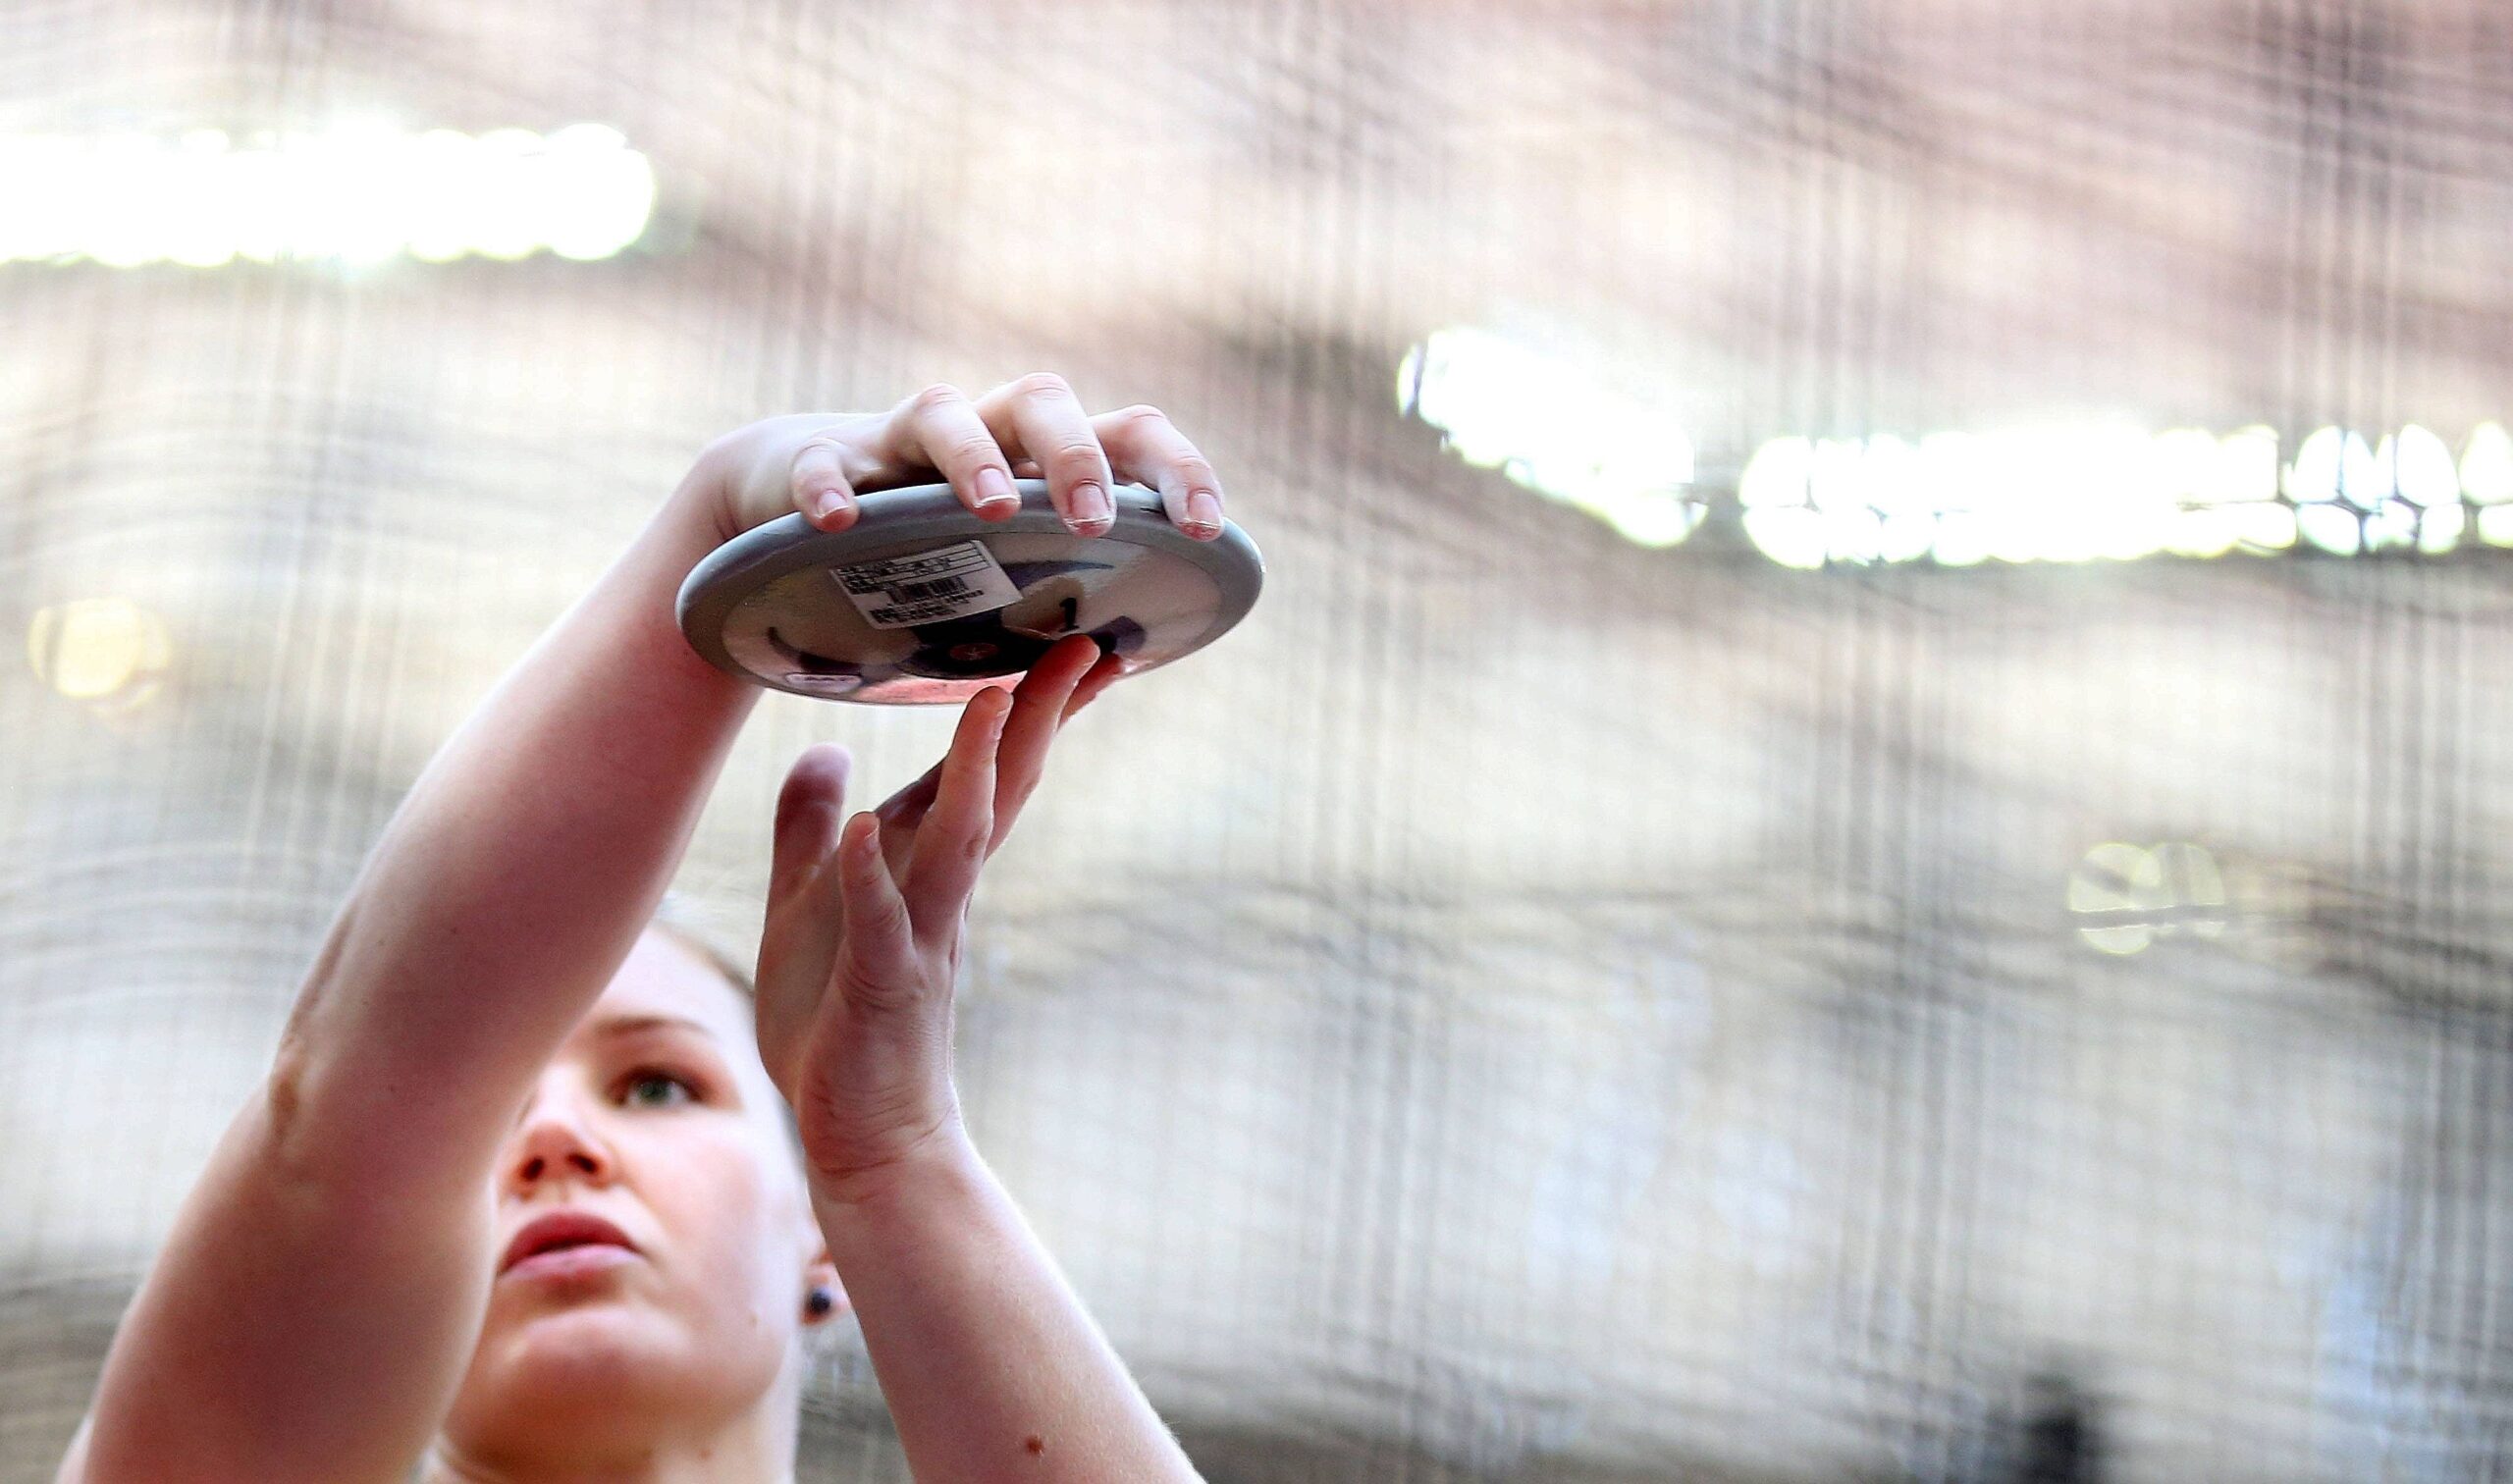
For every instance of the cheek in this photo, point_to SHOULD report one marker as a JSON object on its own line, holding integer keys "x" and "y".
{"x": 719, "y": 1208}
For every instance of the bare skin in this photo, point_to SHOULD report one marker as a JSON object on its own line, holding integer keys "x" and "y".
{"x": 655, "y": 1116}
{"x": 331, "y": 1305}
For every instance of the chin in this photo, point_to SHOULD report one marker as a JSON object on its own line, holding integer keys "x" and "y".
{"x": 584, "y": 1357}
{"x": 588, "y": 1365}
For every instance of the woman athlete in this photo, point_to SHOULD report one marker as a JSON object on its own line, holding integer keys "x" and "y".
{"x": 517, "y": 1198}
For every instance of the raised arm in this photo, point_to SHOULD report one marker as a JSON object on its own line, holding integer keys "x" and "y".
{"x": 991, "y": 1366}
{"x": 313, "y": 1308}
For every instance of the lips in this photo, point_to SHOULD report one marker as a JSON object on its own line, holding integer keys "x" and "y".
{"x": 560, "y": 1231}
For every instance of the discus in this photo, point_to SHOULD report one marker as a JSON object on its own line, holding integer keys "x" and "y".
{"x": 920, "y": 602}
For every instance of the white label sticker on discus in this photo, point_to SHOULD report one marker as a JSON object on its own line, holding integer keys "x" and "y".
{"x": 931, "y": 587}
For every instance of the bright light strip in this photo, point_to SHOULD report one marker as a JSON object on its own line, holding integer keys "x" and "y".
{"x": 1551, "y": 429}
{"x": 2065, "y": 493}
{"x": 357, "y": 192}
{"x": 2072, "y": 494}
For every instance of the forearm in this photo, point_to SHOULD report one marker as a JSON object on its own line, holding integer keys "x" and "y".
{"x": 991, "y": 1366}
{"x": 516, "y": 873}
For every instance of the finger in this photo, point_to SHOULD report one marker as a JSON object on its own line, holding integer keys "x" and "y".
{"x": 951, "y": 843}
{"x": 1110, "y": 670}
{"x": 941, "y": 429}
{"x": 878, "y": 946}
{"x": 821, "y": 488}
{"x": 810, "y": 810}
{"x": 1038, "y": 709}
{"x": 1039, "y": 419}
{"x": 902, "y": 812}
{"x": 1146, "y": 447}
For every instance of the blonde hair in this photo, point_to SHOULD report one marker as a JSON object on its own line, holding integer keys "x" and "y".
{"x": 681, "y": 917}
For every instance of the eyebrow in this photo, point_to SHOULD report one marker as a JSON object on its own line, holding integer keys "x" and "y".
{"x": 631, "y": 1025}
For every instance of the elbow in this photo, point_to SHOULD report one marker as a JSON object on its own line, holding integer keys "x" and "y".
{"x": 280, "y": 1109}
{"x": 296, "y": 1065}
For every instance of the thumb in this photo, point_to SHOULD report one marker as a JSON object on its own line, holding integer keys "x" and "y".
{"x": 811, "y": 810}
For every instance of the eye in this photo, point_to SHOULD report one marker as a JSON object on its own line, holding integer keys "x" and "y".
{"x": 651, "y": 1088}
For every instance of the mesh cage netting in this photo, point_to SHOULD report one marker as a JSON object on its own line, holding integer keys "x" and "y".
{"x": 1544, "y": 999}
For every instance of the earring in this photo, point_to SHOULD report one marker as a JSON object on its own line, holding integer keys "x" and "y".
{"x": 820, "y": 1302}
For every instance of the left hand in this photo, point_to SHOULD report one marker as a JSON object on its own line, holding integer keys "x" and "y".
{"x": 1032, "y": 426}
{"x": 867, "y": 921}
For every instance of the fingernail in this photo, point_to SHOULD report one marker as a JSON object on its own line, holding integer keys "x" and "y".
{"x": 1089, "y": 505}
{"x": 1203, "y": 513}
{"x": 994, "y": 490}
{"x": 828, "y": 503}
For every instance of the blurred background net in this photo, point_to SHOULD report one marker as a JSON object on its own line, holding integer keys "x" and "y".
{"x": 1861, "y": 835}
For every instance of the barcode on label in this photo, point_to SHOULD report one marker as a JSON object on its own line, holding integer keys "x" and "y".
{"x": 929, "y": 587}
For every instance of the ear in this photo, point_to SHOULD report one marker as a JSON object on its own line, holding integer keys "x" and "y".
{"x": 821, "y": 1273}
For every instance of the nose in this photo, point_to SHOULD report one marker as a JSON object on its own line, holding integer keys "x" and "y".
{"x": 554, "y": 1139}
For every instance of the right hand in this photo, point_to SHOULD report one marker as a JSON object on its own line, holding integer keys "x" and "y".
{"x": 867, "y": 921}
{"x": 817, "y": 463}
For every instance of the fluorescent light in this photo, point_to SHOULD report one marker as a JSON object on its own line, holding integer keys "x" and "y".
{"x": 107, "y": 651}
{"x": 2265, "y": 525}
{"x": 1659, "y": 518}
{"x": 2327, "y": 526}
{"x": 2075, "y": 494}
{"x": 356, "y": 192}
{"x": 1778, "y": 475}
{"x": 2440, "y": 529}
{"x": 2486, "y": 465}
{"x": 1552, "y": 428}
{"x": 2421, "y": 467}
{"x": 1792, "y": 537}
{"x": 2056, "y": 493}
{"x": 2390, "y": 526}
{"x": 2314, "y": 475}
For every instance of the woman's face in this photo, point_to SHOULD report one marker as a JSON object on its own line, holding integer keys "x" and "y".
{"x": 654, "y": 1244}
